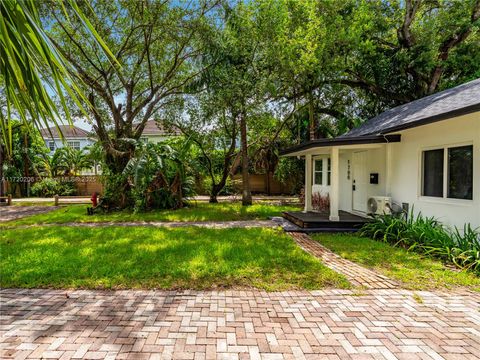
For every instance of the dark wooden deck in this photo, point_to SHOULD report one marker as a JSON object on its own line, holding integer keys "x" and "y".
{"x": 319, "y": 222}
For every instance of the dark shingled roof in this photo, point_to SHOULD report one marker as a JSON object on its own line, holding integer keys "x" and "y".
{"x": 449, "y": 103}
{"x": 67, "y": 131}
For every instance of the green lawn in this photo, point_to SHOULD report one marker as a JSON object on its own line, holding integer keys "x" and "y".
{"x": 195, "y": 212}
{"x": 415, "y": 271}
{"x": 164, "y": 258}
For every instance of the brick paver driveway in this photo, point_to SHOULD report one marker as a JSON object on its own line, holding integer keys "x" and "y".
{"x": 330, "y": 324}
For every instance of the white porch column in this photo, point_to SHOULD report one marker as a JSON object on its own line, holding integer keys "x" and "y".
{"x": 334, "y": 184}
{"x": 389, "y": 169}
{"x": 308, "y": 182}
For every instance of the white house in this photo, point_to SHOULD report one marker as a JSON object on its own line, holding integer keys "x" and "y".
{"x": 423, "y": 155}
{"x": 73, "y": 136}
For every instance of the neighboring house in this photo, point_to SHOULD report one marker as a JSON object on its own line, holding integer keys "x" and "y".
{"x": 73, "y": 137}
{"x": 155, "y": 133}
{"x": 424, "y": 155}
{"x": 78, "y": 139}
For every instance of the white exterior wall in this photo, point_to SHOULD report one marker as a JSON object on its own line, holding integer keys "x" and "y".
{"x": 406, "y": 171}
{"x": 375, "y": 164}
{"x": 59, "y": 143}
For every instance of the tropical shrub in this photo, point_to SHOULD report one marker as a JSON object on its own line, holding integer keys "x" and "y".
{"x": 50, "y": 187}
{"x": 427, "y": 235}
{"x": 158, "y": 177}
{"x": 320, "y": 202}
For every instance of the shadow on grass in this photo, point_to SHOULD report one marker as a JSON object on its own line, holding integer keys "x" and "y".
{"x": 415, "y": 271}
{"x": 166, "y": 258}
{"x": 195, "y": 212}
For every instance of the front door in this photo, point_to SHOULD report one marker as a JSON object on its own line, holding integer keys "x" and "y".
{"x": 359, "y": 161}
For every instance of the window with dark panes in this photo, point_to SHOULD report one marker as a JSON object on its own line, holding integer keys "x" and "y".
{"x": 433, "y": 173}
{"x": 460, "y": 172}
{"x": 318, "y": 177}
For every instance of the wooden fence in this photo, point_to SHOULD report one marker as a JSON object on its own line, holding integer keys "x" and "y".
{"x": 263, "y": 184}
{"x": 87, "y": 185}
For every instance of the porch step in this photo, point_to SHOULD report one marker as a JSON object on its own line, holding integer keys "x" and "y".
{"x": 319, "y": 222}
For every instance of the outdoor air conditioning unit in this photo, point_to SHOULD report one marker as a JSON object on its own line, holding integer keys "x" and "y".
{"x": 379, "y": 205}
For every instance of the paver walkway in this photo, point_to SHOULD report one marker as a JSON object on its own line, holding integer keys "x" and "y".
{"x": 328, "y": 324}
{"x": 16, "y": 212}
{"x": 356, "y": 274}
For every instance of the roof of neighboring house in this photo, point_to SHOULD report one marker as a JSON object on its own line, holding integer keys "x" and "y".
{"x": 154, "y": 128}
{"x": 460, "y": 100}
{"x": 66, "y": 130}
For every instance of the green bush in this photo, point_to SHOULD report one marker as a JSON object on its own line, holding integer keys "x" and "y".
{"x": 427, "y": 235}
{"x": 158, "y": 177}
{"x": 50, "y": 187}
{"x": 228, "y": 189}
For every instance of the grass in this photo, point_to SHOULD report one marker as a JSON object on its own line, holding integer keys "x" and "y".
{"x": 196, "y": 212}
{"x": 162, "y": 258}
{"x": 415, "y": 271}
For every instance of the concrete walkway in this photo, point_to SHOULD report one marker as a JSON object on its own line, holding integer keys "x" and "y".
{"x": 169, "y": 224}
{"x": 328, "y": 324}
{"x": 8, "y": 213}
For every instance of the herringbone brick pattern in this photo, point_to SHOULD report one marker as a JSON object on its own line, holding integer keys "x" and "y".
{"x": 328, "y": 324}
{"x": 356, "y": 274}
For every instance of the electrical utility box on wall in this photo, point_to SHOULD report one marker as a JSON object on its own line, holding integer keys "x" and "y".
{"x": 374, "y": 178}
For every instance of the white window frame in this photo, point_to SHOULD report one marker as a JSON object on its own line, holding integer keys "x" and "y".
{"x": 444, "y": 198}
{"x": 326, "y": 170}
{"x": 51, "y": 146}
{"x": 73, "y": 144}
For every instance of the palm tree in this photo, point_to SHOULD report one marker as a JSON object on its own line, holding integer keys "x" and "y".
{"x": 29, "y": 65}
{"x": 74, "y": 160}
{"x": 52, "y": 166}
{"x": 158, "y": 176}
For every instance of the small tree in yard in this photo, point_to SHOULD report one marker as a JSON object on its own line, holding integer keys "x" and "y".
{"x": 207, "y": 121}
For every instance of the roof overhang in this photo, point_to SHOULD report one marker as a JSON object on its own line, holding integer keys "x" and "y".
{"x": 432, "y": 119}
{"x": 340, "y": 141}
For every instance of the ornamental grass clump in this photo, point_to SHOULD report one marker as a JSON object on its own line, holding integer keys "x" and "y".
{"x": 428, "y": 236}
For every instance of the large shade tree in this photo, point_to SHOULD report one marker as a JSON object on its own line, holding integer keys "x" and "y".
{"x": 155, "y": 45}
{"x": 352, "y": 59}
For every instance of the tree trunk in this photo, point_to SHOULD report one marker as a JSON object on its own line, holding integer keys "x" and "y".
{"x": 311, "y": 118}
{"x": 246, "y": 193}
{"x": 227, "y": 166}
{"x": 117, "y": 194}
{"x": 2, "y": 182}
